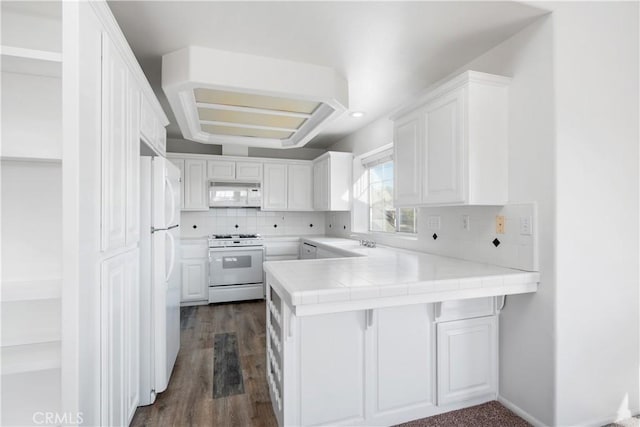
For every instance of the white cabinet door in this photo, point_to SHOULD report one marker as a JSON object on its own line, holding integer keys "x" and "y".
{"x": 274, "y": 191}
{"x": 407, "y": 147}
{"x": 119, "y": 338}
{"x": 466, "y": 359}
{"x": 115, "y": 132}
{"x": 300, "y": 191}
{"x": 250, "y": 171}
{"x": 195, "y": 185}
{"x": 221, "y": 169}
{"x": 333, "y": 393}
{"x": 403, "y": 359}
{"x": 180, "y": 164}
{"x": 133, "y": 165}
{"x": 321, "y": 185}
{"x": 444, "y": 157}
{"x": 194, "y": 280}
{"x": 148, "y": 125}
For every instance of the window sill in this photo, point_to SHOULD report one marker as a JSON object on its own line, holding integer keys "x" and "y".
{"x": 381, "y": 235}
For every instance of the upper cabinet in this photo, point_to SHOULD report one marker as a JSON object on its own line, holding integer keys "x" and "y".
{"x": 332, "y": 175}
{"x": 195, "y": 185}
{"x": 287, "y": 187}
{"x": 151, "y": 129}
{"x": 450, "y": 147}
{"x": 229, "y": 170}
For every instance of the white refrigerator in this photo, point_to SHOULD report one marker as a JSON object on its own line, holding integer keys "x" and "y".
{"x": 160, "y": 276}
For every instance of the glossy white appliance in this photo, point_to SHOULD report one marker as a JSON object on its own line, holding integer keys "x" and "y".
{"x": 235, "y": 267}
{"x": 234, "y": 194}
{"x": 160, "y": 278}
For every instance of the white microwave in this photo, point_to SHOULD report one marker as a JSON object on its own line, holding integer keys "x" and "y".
{"x": 234, "y": 194}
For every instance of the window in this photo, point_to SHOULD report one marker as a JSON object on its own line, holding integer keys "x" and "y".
{"x": 383, "y": 217}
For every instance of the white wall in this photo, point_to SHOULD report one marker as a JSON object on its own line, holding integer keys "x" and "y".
{"x": 596, "y": 73}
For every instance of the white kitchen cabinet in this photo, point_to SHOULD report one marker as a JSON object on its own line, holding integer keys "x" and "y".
{"x": 195, "y": 185}
{"x": 120, "y": 337}
{"x": 403, "y": 359}
{"x": 321, "y": 184}
{"x": 407, "y": 152}
{"x": 221, "y": 169}
{"x": 332, "y": 176}
{"x": 151, "y": 130}
{"x": 450, "y": 146}
{"x": 249, "y": 171}
{"x": 194, "y": 265}
{"x": 442, "y": 178}
{"x": 467, "y": 359}
{"x": 335, "y": 342}
{"x": 300, "y": 187}
{"x": 274, "y": 187}
{"x": 115, "y": 134}
{"x": 133, "y": 166}
{"x": 180, "y": 164}
{"x": 194, "y": 280}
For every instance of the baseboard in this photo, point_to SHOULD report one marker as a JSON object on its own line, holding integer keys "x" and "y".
{"x": 537, "y": 423}
{"x": 521, "y": 413}
{"x": 613, "y": 418}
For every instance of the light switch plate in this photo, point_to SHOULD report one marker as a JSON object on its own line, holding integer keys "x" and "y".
{"x": 526, "y": 226}
{"x": 466, "y": 223}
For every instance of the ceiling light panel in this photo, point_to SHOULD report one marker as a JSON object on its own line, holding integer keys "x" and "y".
{"x": 246, "y": 132}
{"x": 255, "y": 119}
{"x": 212, "y": 96}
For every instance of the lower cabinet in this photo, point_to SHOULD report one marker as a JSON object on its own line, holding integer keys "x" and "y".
{"x": 120, "y": 352}
{"x": 380, "y": 366}
{"x": 332, "y": 367}
{"x": 194, "y": 266}
{"x": 467, "y": 359}
{"x": 194, "y": 280}
{"x": 403, "y": 359}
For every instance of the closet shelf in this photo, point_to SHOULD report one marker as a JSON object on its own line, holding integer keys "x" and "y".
{"x": 30, "y": 159}
{"x": 31, "y": 61}
{"x": 30, "y": 358}
{"x": 30, "y": 290}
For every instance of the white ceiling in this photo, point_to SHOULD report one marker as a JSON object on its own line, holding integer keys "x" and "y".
{"x": 388, "y": 51}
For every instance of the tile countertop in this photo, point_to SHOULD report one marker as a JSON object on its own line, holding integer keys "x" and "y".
{"x": 384, "y": 276}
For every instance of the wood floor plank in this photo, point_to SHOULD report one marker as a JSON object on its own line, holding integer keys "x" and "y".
{"x": 188, "y": 401}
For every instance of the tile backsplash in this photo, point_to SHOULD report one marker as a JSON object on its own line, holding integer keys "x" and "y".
{"x": 479, "y": 243}
{"x": 250, "y": 220}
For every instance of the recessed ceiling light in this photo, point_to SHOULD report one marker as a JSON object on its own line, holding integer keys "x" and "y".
{"x": 357, "y": 114}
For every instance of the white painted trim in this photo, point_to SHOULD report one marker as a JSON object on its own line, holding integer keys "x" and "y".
{"x": 189, "y": 156}
{"x": 445, "y": 85}
{"x": 520, "y": 412}
{"x": 103, "y": 12}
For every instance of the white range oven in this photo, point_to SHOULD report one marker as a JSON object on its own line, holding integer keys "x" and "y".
{"x": 235, "y": 267}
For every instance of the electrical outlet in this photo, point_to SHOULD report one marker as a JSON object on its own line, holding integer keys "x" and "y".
{"x": 466, "y": 223}
{"x": 526, "y": 226}
{"x": 433, "y": 222}
{"x": 500, "y": 224}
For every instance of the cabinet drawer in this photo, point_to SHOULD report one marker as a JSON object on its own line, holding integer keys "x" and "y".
{"x": 195, "y": 250}
{"x": 465, "y": 309}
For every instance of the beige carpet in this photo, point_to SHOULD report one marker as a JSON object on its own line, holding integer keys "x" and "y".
{"x": 490, "y": 414}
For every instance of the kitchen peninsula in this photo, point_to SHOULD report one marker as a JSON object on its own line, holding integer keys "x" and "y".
{"x": 379, "y": 336}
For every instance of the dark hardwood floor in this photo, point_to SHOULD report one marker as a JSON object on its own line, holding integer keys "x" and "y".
{"x": 189, "y": 399}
